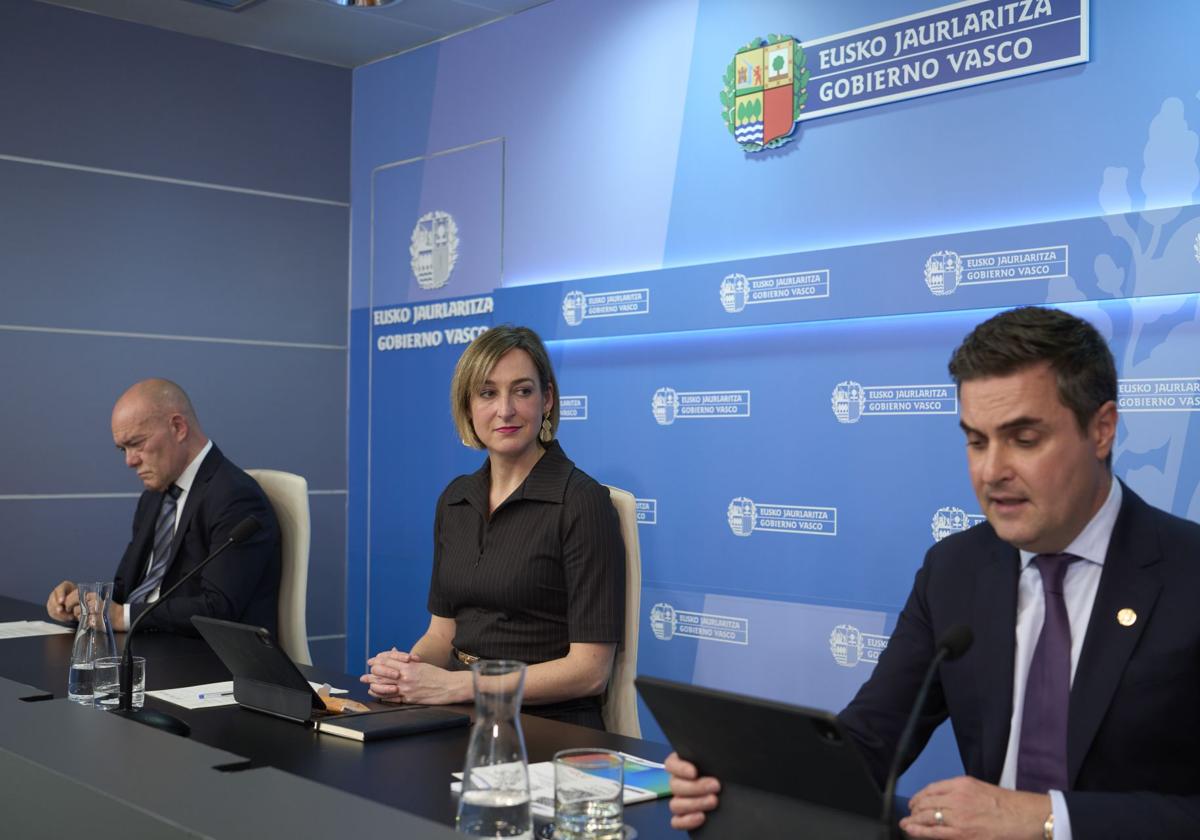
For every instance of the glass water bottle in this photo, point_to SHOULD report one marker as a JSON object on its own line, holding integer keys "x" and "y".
{"x": 495, "y": 787}
{"x": 93, "y": 639}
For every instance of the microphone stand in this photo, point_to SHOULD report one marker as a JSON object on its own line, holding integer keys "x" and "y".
{"x": 953, "y": 644}
{"x": 150, "y": 717}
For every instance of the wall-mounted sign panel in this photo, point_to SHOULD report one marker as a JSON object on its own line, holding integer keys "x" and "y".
{"x": 951, "y": 47}
{"x": 1053, "y": 262}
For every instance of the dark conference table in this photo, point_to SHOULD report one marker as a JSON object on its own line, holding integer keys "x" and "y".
{"x": 411, "y": 773}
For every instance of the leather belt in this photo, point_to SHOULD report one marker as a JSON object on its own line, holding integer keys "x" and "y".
{"x": 465, "y": 658}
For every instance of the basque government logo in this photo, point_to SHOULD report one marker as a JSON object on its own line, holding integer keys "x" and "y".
{"x": 573, "y": 307}
{"x": 946, "y": 271}
{"x": 647, "y": 511}
{"x": 848, "y": 401}
{"x": 735, "y": 291}
{"x": 666, "y": 623}
{"x": 943, "y": 271}
{"x": 434, "y": 249}
{"x": 739, "y": 291}
{"x": 745, "y": 517}
{"x": 850, "y": 646}
{"x": 766, "y": 86}
{"x": 742, "y": 515}
{"x": 1159, "y": 393}
{"x": 573, "y": 407}
{"x": 668, "y": 405}
{"x": 665, "y": 405}
{"x": 662, "y": 621}
{"x": 579, "y": 306}
{"x": 851, "y": 401}
{"x": 951, "y": 520}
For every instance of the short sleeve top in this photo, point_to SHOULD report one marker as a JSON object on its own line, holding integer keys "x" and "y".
{"x": 545, "y": 570}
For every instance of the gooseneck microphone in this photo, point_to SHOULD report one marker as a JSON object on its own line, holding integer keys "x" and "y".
{"x": 954, "y": 643}
{"x": 240, "y": 533}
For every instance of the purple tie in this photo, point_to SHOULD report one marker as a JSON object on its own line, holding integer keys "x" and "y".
{"x": 1042, "y": 759}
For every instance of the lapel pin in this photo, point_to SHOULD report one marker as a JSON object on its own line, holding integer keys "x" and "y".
{"x": 1126, "y": 617}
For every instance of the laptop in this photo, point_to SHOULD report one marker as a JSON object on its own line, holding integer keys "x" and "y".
{"x": 265, "y": 679}
{"x": 786, "y": 771}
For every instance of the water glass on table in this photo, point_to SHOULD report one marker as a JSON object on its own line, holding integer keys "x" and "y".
{"x": 589, "y": 787}
{"x": 107, "y": 682}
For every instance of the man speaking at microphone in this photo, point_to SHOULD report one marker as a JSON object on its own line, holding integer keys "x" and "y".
{"x": 194, "y": 498}
{"x": 1075, "y": 710}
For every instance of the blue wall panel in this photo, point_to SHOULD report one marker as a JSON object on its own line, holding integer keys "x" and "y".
{"x": 258, "y": 403}
{"x": 100, "y": 92}
{"x": 156, "y": 188}
{"x": 42, "y": 552}
{"x": 192, "y": 261}
{"x": 327, "y": 569}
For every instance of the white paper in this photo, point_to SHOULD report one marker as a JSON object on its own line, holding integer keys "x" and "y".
{"x": 22, "y": 629}
{"x": 215, "y": 694}
{"x": 541, "y": 785}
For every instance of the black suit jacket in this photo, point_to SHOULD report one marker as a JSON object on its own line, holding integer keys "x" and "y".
{"x": 1133, "y": 741}
{"x": 240, "y": 585}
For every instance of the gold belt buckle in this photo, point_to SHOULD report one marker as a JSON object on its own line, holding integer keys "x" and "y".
{"x": 465, "y": 658}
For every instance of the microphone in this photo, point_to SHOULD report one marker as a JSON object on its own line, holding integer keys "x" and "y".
{"x": 245, "y": 529}
{"x": 954, "y": 643}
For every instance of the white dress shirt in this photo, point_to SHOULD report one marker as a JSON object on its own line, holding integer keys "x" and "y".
{"x": 184, "y": 483}
{"x": 1079, "y": 591}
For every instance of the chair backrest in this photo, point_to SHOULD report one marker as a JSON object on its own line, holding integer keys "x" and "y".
{"x": 288, "y": 494}
{"x": 620, "y": 711}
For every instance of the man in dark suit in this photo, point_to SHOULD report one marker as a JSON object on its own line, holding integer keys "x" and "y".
{"x": 194, "y": 498}
{"x": 1074, "y": 710}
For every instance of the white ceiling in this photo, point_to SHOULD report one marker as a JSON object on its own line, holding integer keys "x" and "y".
{"x": 312, "y": 29}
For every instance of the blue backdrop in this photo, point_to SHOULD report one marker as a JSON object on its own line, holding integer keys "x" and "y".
{"x": 755, "y": 345}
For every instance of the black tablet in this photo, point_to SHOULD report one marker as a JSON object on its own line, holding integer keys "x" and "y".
{"x": 264, "y": 677}
{"x": 785, "y": 771}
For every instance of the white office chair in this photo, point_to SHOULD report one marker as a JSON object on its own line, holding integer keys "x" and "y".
{"x": 619, "y": 710}
{"x": 288, "y": 494}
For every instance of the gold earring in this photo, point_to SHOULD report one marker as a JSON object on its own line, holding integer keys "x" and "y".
{"x": 547, "y": 433}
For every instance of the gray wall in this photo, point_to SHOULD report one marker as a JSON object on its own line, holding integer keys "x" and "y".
{"x": 169, "y": 206}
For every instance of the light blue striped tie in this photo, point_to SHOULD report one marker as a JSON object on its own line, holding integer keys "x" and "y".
{"x": 164, "y": 533}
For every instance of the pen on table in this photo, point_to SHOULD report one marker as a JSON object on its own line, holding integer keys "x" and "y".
{"x": 212, "y": 695}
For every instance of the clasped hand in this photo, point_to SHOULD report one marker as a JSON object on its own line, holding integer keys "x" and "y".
{"x": 400, "y": 677}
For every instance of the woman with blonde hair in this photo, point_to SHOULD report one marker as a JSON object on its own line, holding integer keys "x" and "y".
{"x": 528, "y": 561}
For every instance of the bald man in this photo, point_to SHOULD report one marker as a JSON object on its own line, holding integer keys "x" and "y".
{"x": 194, "y": 498}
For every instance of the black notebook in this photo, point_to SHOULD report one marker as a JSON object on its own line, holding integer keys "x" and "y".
{"x": 372, "y": 726}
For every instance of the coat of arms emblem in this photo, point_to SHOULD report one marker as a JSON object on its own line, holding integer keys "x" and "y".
{"x": 434, "y": 249}
{"x": 766, "y": 86}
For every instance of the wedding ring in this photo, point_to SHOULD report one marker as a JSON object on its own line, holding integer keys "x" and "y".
{"x": 939, "y": 817}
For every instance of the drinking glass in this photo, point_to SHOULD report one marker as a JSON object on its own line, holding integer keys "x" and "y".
{"x": 108, "y": 682}
{"x": 589, "y": 786}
